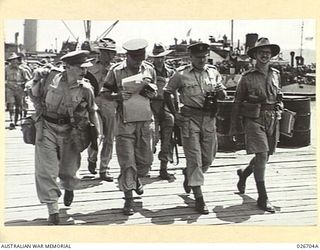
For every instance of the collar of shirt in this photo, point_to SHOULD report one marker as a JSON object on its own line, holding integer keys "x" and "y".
{"x": 270, "y": 69}
{"x": 73, "y": 85}
{"x": 124, "y": 65}
{"x": 205, "y": 68}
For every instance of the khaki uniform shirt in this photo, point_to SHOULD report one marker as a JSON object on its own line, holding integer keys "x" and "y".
{"x": 81, "y": 93}
{"x": 193, "y": 85}
{"x": 254, "y": 82}
{"x": 15, "y": 77}
{"x": 162, "y": 79}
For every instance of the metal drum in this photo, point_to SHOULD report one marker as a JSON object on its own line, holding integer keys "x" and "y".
{"x": 225, "y": 142}
{"x": 301, "y": 129}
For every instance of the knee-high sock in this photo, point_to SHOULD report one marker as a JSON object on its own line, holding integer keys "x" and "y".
{"x": 260, "y": 163}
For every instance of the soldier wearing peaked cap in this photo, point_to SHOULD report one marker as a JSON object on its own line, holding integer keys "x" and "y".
{"x": 133, "y": 136}
{"x": 15, "y": 78}
{"x": 199, "y": 85}
{"x": 258, "y": 103}
{"x": 65, "y": 105}
{"x": 107, "y": 111}
{"x": 164, "y": 121}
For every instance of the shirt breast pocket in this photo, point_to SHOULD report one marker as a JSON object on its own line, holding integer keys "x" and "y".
{"x": 191, "y": 89}
{"x": 53, "y": 99}
{"x": 79, "y": 103}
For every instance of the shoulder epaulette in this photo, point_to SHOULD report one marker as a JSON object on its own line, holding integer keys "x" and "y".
{"x": 86, "y": 83}
{"x": 56, "y": 69}
{"x": 248, "y": 71}
{"x": 114, "y": 65}
{"x": 212, "y": 66}
{"x": 149, "y": 63}
{"x": 183, "y": 67}
{"x": 274, "y": 69}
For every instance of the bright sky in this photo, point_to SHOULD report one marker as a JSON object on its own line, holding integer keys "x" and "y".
{"x": 285, "y": 32}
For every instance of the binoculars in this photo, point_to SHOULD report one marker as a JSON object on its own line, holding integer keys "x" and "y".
{"x": 210, "y": 102}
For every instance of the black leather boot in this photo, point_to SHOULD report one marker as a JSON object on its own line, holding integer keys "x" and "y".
{"x": 243, "y": 175}
{"x": 164, "y": 175}
{"x": 68, "y": 198}
{"x": 263, "y": 202}
{"x": 106, "y": 176}
{"x": 201, "y": 206}
{"x": 92, "y": 167}
{"x": 186, "y": 186}
{"x": 54, "y": 219}
{"x": 128, "y": 207}
{"x": 139, "y": 189}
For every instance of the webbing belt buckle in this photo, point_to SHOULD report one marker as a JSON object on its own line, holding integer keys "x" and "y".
{"x": 61, "y": 121}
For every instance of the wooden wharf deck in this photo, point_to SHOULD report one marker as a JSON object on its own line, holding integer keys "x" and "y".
{"x": 291, "y": 182}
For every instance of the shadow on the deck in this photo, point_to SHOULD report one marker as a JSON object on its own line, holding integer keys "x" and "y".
{"x": 241, "y": 212}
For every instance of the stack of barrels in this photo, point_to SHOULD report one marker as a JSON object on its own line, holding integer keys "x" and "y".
{"x": 301, "y": 135}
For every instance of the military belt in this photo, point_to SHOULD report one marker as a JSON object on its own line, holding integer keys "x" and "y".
{"x": 58, "y": 121}
{"x": 268, "y": 107}
{"x": 188, "y": 110}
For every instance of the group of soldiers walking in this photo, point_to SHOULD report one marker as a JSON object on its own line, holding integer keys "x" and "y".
{"x": 70, "y": 99}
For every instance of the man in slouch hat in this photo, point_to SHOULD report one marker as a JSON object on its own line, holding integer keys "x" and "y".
{"x": 258, "y": 103}
{"x": 107, "y": 111}
{"x": 164, "y": 121}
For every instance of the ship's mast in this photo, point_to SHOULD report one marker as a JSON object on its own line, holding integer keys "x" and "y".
{"x": 231, "y": 48}
{"x": 301, "y": 44}
{"x": 87, "y": 29}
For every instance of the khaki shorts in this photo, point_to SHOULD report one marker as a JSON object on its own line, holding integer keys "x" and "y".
{"x": 262, "y": 134}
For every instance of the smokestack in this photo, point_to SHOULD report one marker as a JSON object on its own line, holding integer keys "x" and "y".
{"x": 16, "y": 35}
{"x": 30, "y": 34}
{"x": 251, "y": 39}
{"x": 292, "y": 58}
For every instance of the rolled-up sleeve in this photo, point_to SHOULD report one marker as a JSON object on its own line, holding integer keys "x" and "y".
{"x": 241, "y": 90}
{"x": 92, "y": 106}
{"x": 173, "y": 84}
{"x": 109, "y": 83}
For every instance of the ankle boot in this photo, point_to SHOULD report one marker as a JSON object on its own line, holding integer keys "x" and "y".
{"x": 54, "y": 219}
{"x": 186, "y": 186}
{"x": 106, "y": 176}
{"x": 68, "y": 197}
{"x": 139, "y": 188}
{"x": 263, "y": 202}
{"x": 92, "y": 167}
{"x": 243, "y": 175}
{"x": 201, "y": 206}
{"x": 128, "y": 207}
{"x": 164, "y": 175}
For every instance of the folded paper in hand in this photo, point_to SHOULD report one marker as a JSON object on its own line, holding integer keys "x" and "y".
{"x": 136, "y": 108}
{"x": 133, "y": 84}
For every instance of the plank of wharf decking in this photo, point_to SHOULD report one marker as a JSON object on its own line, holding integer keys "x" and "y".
{"x": 15, "y": 166}
{"x": 218, "y": 214}
{"x": 301, "y": 198}
{"x": 18, "y": 195}
{"x": 282, "y": 177}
